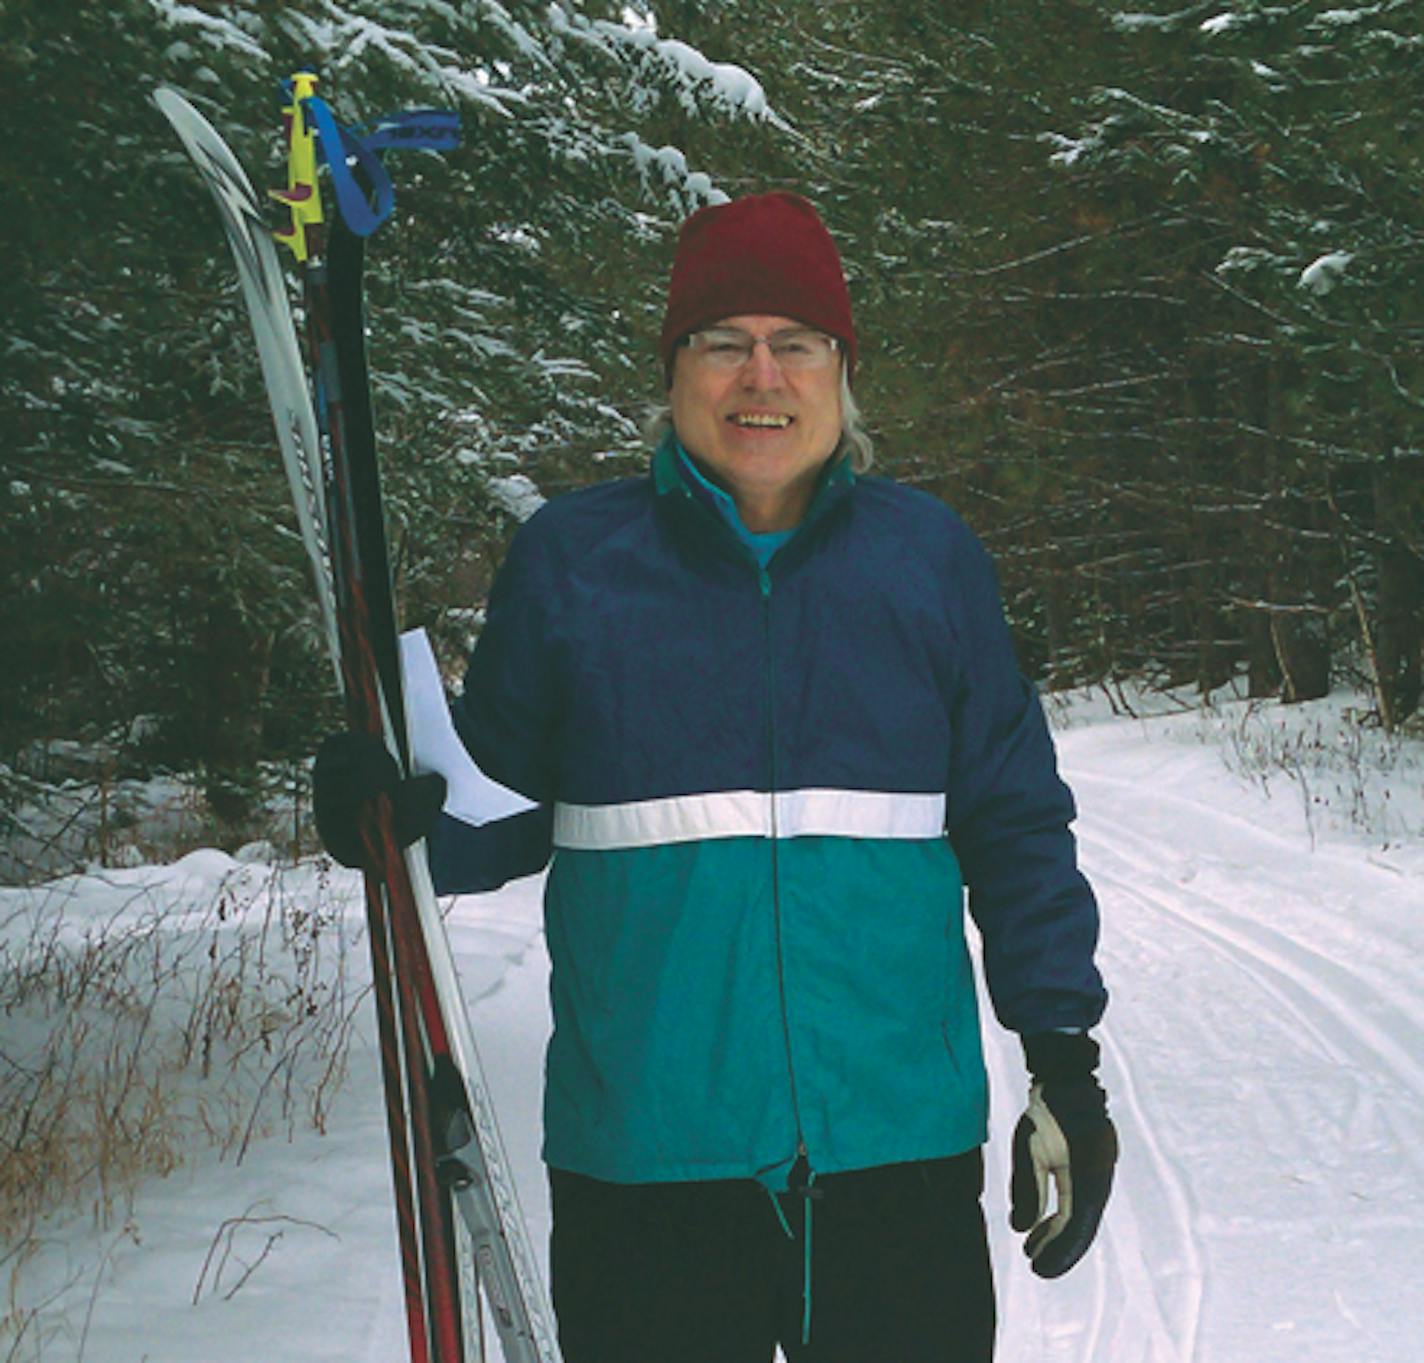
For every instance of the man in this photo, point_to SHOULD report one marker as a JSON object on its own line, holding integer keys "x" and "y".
{"x": 769, "y": 712}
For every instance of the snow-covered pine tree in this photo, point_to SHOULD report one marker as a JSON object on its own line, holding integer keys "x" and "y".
{"x": 146, "y": 553}
{"x": 1282, "y": 143}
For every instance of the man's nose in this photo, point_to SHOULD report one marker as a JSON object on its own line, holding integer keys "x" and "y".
{"x": 762, "y": 370}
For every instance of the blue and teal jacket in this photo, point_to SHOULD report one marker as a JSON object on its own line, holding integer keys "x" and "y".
{"x": 766, "y": 787}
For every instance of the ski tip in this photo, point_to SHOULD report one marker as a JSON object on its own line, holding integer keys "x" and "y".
{"x": 169, "y": 101}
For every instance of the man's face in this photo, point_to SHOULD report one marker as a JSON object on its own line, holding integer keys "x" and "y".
{"x": 762, "y": 430}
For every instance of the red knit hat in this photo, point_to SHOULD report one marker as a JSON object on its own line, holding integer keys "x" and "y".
{"x": 767, "y": 254}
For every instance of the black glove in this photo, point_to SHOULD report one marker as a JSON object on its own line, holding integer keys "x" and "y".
{"x": 352, "y": 769}
{"x": 1065, "y": 1136}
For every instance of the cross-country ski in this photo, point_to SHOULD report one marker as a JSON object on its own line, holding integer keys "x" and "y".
{"x": 445, "y": 1146}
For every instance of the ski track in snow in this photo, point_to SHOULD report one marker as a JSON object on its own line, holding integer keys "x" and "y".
{"x": 1227, "y": 942}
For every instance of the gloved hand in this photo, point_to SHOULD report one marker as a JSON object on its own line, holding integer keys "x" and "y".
{"x": 352, "y": 769}
{"x": 1064, "y": 1136}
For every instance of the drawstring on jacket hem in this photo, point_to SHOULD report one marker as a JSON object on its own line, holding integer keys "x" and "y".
{"x": 807, "y": 1197}
{"x": 808, "y": 1194}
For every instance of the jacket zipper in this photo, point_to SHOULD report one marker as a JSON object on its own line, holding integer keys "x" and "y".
{"x": 801, "y": 1162}
{"x": 764, "y": 582}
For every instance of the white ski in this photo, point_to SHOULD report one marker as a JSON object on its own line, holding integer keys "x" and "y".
{"x": 474, "y": 1169}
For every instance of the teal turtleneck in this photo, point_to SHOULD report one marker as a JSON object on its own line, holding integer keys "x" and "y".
{"x": 763, "y": 543}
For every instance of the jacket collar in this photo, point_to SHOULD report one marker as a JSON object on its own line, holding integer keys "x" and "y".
{"x": 670, "y": 479}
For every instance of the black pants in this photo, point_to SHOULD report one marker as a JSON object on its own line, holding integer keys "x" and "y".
{"x": 708, "y": 1273}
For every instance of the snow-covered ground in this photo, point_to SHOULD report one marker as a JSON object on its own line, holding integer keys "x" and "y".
{"x": 1264, "y": 1054}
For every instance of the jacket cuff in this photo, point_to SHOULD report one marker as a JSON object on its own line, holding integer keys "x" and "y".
{"x": 1060, "y": 1055}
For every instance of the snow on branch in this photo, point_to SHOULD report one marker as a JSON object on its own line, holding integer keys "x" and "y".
{"x": 351, "y": 37}
{"x": 695, "y": 75}
{"x": 731, "y": 86}
{"x": 1323, "y": 273}
{"x": 1246, "y": 259}
{"x": 671, "y": 165}
{"x": 221, "y": 33}
{"x": 1069, "y": 150}
{"x": 516, "y": 494}
{"x": 1219, "y": 23}
{"x": 1128, "y": 21}
{"x": 1346, "y": 18}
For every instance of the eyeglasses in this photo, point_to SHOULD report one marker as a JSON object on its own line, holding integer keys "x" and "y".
{"x": 729, "y": 348}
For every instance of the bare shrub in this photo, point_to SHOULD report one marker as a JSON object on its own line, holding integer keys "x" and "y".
{"x": 1346, "y": 768}
{"x": 223, "y": 1250}
{"x": 153, "y": 1013}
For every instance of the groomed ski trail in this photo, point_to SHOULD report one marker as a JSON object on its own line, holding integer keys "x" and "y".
{"x": 1264, "y": 1056}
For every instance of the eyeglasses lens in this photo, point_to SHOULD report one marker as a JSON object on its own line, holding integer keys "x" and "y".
{"x": 729, "y": 348}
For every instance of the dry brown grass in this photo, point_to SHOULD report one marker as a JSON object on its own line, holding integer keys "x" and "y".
{"x": 140, "y": 1026}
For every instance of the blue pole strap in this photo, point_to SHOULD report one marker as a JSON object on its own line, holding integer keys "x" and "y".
{"x": 425, "y": 129}
{"x": 413, "y": 129}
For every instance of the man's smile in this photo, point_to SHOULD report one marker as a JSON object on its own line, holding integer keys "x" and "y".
{"x": 761, "y": 420}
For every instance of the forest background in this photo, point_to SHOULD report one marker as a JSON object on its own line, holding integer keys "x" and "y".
{"x": 1140, "y": 292}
